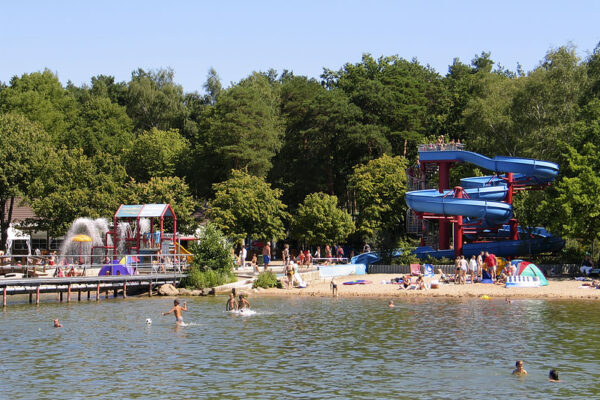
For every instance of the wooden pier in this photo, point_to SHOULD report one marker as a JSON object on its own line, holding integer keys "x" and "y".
{"x": 93, "y": 286}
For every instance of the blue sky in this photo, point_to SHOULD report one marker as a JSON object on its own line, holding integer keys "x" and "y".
{"x": 81, "y": 39}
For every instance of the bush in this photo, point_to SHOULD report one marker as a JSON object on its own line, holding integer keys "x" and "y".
{"x": 212, "y": 251}
{"x": 212, "y": 265}
{"x": 208, "y": 278}
{"x": 266, "y": 279}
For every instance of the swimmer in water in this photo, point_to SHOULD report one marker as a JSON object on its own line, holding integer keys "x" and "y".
{"x": 177, "y": 309}
{"x": 391, "y": 304}
{"x": 553, "y": 376}
{"x": 232, "y": 304}
{"x": 243, "y": 303}
{"x": 519, "y": 370}
{"x": 57, "y": 324}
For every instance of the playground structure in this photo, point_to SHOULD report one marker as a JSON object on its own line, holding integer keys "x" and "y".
{"x": 132, "y": 232}
{"x": 479, "y": 211}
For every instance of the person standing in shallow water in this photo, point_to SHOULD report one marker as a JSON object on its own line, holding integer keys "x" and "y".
{"x": 334, "y": 288}
{"x": 177, "y": 309}
{"x": 232, "y": 304}
{"x": 519, "y": 370}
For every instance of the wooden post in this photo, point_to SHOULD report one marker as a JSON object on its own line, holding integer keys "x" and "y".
{"x": 115, "y": 293}
{"x": 60, "y": 295}
{"x": 124, "y": 290}
{"x": 98, "y": 291}
{"x": 30, "y": 297}
{"x": 79, "y": 295}
{"x": 37, "y": 295}
{"x": 89, "y": 293}
{"x": 4, "y": 297}
{"x": 69, "y": 293}
{"x": 150, "y": 289}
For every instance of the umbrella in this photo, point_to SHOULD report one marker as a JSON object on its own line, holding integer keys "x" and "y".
{"x": 81, "y": 239}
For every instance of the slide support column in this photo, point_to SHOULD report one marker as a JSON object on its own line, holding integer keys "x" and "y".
{"x": 458, "y": 226}
{"x": 444, "y": 183}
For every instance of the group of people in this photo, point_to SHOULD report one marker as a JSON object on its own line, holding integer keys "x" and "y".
{"x": 520, "y": 371}
{"x": 234, "y": 305}
{"x": 442, "y": 145}
{"x": 475, "y": 267}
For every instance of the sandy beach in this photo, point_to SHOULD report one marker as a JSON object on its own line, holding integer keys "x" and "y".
{"x": 557, "y": 289}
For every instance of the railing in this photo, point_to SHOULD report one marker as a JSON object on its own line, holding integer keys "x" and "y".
{"x": 81, "y": 264}
{"x": 441, "y": 147}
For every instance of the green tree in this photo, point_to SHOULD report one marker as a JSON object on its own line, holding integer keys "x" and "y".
{"x": 40, "y": 97}
{"x": 379, "y": 188}
{"x": 156, "y": 153}
{"x": 400, "y": 97}
{"x": 548, "y": 101}
{"x": 246, "y": 206}
{"x": 23, "y": 151}
{"x": 319, "y": 220}
{"x": 574, "y": 204}
{"x": 101, "y": 126}
{"x": 167, "y": 190}
{"x": 154, "y": 100}
{"x": 246, "y": 125}
{"x": 77, "y": 186}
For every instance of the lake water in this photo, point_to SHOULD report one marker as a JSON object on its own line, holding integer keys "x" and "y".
{"x": 306, "y": 348}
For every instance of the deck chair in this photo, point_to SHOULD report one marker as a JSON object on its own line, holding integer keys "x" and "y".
{"x": 415, "y": 269}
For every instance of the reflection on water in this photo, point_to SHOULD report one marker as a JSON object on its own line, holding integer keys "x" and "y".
{"x": 300, "y": 348}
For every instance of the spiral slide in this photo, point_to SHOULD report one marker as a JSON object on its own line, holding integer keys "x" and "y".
{"x": 481, "y": 202}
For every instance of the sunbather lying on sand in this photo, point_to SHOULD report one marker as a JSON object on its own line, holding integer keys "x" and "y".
{"x": 445, "y": 278}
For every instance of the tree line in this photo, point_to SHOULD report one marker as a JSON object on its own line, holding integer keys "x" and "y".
{"x": 278, "y": 156}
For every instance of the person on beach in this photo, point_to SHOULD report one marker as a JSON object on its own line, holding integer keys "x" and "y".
{"x": 463, "y": 269}
{"x": 421, "y": 283}
{"x": 285, "y": 254}
{"x": 243, "y": 303}
{"x": 57, "y": 324}
{"x": 327, "y": 254}
{"x": 177, "y": 309}
{"x": 267, "y": 255}
{"x": 492, "y": 263}
{"x": 587, "y": 265}
{"x": 519, "y": 370}
{"x": 243, "y": 255}
{"x": 334, "y": 287}
{"x": 289, "y": 273}
{"x": 232, "y": 304}
{"x": 254, "y": 263}
{"x": 553, "y": 376}
{"x": 340, "y": 253}
{"x": 366, "y": 248}
{"x": 473, "y": 268}
{"x": 480, "y": 264}
{"x": 318, "y": 254}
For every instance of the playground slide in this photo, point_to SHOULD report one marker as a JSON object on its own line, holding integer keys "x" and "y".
{"x": 482, "y": 200}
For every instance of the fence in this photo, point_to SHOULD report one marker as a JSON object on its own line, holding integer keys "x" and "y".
{"x": 547, "y": 269}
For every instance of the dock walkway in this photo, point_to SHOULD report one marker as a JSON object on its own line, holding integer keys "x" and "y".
{"x": 89, "y": 284}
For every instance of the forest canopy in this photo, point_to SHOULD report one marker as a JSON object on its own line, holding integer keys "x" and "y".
{"x": 107, "y": 142}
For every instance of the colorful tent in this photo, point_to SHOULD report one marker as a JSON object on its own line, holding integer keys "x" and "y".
{"x": 525, "y": 268}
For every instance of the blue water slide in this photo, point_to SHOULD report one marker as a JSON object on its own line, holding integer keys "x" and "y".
{"x": 541, "y": 171}
{"x": 483, "y": 201}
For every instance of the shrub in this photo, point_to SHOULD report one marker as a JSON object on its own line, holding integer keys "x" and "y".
{"x": 200, "y": 279}
{"x": 266, "y": 279}
{"x": 212, "y": 265}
